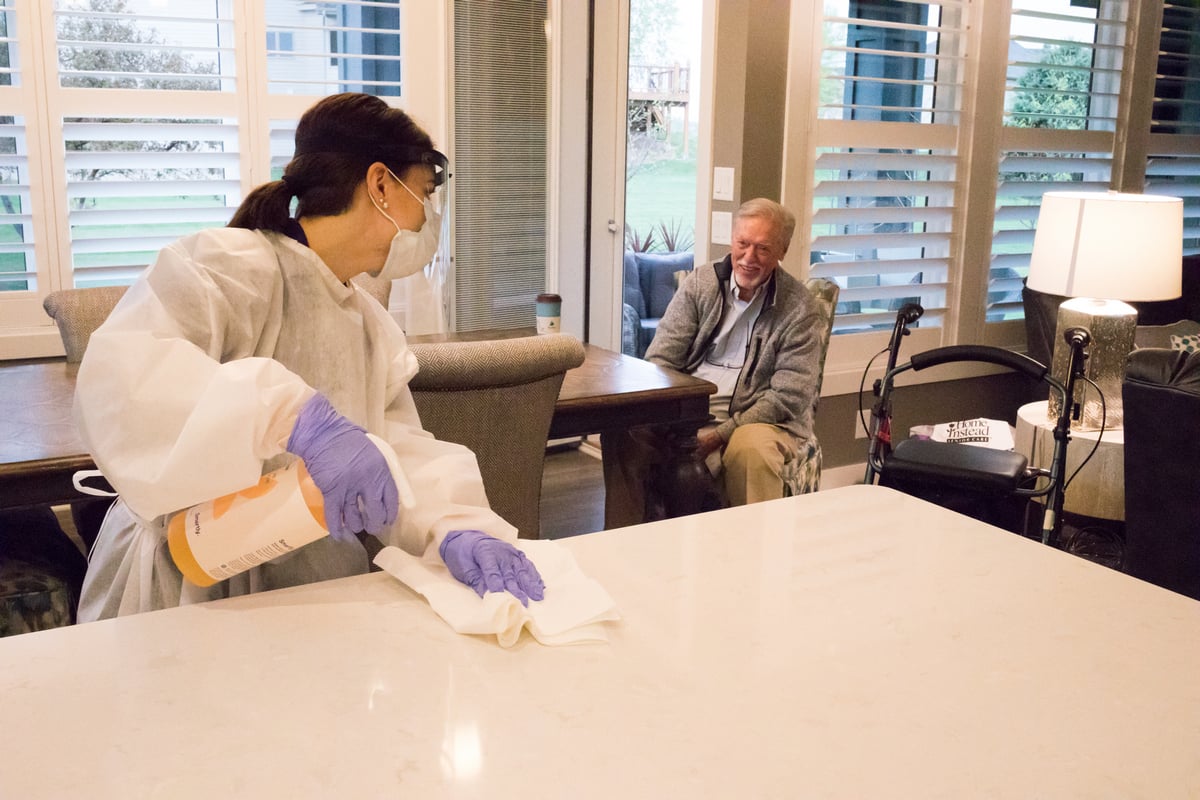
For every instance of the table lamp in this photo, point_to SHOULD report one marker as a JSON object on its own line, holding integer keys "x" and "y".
{"x": 1104, "y": 250}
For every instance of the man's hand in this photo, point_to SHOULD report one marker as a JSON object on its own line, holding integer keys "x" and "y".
{"x": 709, "y": 442}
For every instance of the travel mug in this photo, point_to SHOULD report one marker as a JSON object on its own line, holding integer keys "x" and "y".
{"x": 549, "y": 313}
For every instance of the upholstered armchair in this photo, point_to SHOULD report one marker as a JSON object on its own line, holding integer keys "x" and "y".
{"x": 78, "y": 312}
{"x": 497, "y": 398}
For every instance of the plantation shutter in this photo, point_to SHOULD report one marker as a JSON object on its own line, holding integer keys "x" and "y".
{"x": 149, "y": 129}
{"x": 886, "y": 167}
{"x": 1061, "y": 89}
{"x": 19, "y": 273}
{"x": 500, "y": 160}
{"x": 325, "y": 48}
{"x": 128, "y": 123}
{"x": 141, "y": 177}
{"x": 1173, "y": 163}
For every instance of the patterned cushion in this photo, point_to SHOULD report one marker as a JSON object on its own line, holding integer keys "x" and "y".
{"x": 1160, "y": 335}
{"x": 32, "y": 599}
{"x": 802, "y": 474}
{"x": 1188, "y": 344}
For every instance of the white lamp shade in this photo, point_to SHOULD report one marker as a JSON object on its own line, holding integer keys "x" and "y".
{"x": 1108, "y": 245}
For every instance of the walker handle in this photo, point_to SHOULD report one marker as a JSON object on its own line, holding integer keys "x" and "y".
{"x": 978, "y": 352}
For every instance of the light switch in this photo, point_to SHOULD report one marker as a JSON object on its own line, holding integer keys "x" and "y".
{"x": 722, "y": 183}
{"x": 722, "y": 227}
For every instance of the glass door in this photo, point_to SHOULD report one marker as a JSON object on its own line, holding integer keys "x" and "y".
{"x": 647, "y": 116}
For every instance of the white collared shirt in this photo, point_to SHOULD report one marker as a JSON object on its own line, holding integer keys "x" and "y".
{"x": 727, "y": 353}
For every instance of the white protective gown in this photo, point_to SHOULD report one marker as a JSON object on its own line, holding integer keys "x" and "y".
{"x": 190, "y": 389}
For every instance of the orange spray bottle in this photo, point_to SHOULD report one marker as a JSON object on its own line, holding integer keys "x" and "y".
{"x": 219, "y": 538}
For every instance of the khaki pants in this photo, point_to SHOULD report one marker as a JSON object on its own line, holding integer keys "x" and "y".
{"x": 749, "y": 469}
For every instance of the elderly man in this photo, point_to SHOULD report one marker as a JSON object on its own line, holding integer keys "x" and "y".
{"x": 754, "y": 331}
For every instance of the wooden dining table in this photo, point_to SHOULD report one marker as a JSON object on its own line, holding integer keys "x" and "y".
{"x": 40, "y": 448}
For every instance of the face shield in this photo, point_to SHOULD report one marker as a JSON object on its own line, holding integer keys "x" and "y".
{"x": 427, "y": 293}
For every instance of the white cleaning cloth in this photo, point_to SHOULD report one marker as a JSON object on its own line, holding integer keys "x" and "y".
{"x": 572, "y": 612}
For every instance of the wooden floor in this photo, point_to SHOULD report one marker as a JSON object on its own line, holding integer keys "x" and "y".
{"x": 572, "y": 492}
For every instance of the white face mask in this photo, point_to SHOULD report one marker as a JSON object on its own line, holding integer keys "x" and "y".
{"x": 410, "y": 250}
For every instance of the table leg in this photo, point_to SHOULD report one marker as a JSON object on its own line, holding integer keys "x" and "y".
{"x": 684, "y": 485}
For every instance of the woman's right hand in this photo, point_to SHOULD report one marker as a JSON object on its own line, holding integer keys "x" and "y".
{"x": 353, "y": 476}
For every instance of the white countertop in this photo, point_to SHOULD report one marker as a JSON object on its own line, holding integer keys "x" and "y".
{"x": 853, "y": 643}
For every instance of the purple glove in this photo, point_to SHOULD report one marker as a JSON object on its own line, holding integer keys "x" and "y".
{"x": 353, "y": 476}
{"x": 487, "y": 564}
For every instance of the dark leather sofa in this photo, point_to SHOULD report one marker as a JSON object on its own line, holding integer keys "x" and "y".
{"x": 1161, "y": 394}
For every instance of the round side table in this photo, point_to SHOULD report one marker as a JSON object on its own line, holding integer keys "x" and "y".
{"x": 1099, "y": 489}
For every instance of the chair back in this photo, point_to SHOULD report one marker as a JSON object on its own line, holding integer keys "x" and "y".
{"x": 497, "y": 398}
{"x": 825, "y": 292}
{"x": 78, "y": 312}
{"x": 802, "y": 474}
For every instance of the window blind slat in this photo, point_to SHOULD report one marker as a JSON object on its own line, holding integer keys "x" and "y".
{"x": 869, "y": 268}
{"x": 877, "y": 214}
{"x": 152, "y": 188}
{"x": 884, "y": 161}
{"x": 880, "y": 241}
{"x": 882, "y": 188}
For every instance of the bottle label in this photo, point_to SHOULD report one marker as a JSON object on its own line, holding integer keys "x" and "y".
{"x": 244, "y": 529}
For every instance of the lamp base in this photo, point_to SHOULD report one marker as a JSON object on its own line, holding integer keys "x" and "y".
{"x": 1112, "y": 325}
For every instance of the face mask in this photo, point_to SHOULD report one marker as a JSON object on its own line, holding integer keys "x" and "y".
{"x": 410, "y": 250}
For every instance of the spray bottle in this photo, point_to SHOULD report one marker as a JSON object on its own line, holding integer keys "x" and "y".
{"x": 220, "y": 538}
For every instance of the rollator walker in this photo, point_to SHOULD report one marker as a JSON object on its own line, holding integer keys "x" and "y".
{"x": 974, "y": 476}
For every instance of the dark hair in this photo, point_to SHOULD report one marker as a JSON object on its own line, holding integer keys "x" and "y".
{"x": 336, "y": 140}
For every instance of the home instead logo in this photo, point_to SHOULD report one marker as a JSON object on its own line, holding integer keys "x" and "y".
{"x": 971, "y": 430}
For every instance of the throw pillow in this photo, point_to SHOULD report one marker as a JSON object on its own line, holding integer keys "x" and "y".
{"x": 1188, "y": 344}
{"x": 1161, "y": 335}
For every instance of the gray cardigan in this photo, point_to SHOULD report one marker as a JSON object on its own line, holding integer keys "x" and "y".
{"x": 778, "y": 382}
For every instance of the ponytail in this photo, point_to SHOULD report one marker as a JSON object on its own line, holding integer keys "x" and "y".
{"x": 267, "y": 207}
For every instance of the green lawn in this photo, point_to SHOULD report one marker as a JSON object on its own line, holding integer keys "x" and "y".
{"x": 663, "y": 193}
